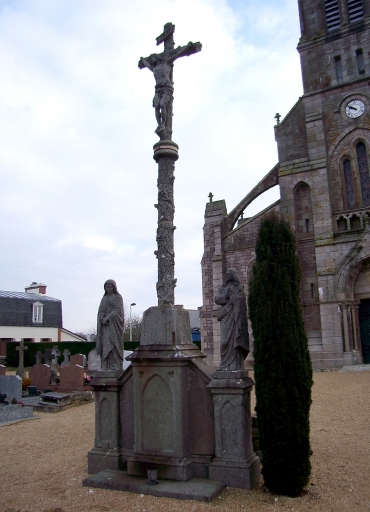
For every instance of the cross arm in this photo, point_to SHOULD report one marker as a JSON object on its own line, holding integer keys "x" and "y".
{"x": 189, "y": 49}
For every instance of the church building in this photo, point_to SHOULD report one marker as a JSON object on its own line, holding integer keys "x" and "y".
{"x": 323, "y": 174}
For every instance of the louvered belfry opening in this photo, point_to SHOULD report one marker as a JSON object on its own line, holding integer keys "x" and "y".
{"x": 355, "y": 10}
{"x": 332, "y": 14}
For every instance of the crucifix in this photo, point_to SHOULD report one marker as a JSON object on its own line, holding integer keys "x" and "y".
{"x": 21, "y": 349}
{"x": 161, "y": 64}
{"x": 210, "y": 195}
{"x": 165, "y": 154}
{"x": 277, "y": 117}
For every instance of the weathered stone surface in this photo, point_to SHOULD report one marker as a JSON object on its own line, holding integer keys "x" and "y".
{"x": 166, "y": 325}
{"x": 233, "y": 323}
{"x": 106, "y": 451}
{"x": 94, "y": 360}
{"x": 40, "y": 376}
{"x": 234, "y": 463}
{"x": 110, "y": 324}
{"x": 79, "y": 359}
{"x": 11, "y": 385}
{"x": 71, "y": 378}
{"x": 14, "y": 412}
{"x": 162, "y": 67}
{"x": 194, "y": 489}
{"x": 165, "y": 380}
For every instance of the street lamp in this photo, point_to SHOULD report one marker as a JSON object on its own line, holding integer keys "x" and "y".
{"x": 132, "y": 304}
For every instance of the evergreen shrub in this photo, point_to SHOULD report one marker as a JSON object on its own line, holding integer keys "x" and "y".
{"x": 282, "y": 364}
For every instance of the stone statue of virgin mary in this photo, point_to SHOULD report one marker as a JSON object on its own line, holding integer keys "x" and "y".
{"x": 109, "y": 340}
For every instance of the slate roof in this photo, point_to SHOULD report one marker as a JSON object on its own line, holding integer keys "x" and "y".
{"x": 16, "y": 310}
{"x": 29, "y": 296}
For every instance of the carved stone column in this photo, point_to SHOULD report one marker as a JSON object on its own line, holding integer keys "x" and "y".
{"x": 165, "y": 154}
{"x": 355, "y": 327}
{"x": 344, "y": 308}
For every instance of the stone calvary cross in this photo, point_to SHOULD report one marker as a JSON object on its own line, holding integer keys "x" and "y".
{"x": 165, "y": 154}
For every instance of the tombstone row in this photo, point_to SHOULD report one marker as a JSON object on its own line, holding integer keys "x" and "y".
{"x": 71, "y": 378}
{"x": 50, "y": 356}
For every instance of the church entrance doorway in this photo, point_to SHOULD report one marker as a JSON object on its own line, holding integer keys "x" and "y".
{"x": 364, "y": 314}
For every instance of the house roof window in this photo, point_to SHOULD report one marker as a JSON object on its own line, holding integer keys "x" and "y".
{"x": 37, "y": 312}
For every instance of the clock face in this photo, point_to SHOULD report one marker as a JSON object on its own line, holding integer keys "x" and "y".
{"x": 355, "y": 108}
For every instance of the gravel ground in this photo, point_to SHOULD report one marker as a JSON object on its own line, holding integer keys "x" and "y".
{"x": 44, "y": 461}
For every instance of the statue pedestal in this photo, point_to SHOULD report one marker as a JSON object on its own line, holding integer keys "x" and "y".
{"x": 234, "y": 463}
{"x": 173, "y": 407}
{"x": 106, "y": 451}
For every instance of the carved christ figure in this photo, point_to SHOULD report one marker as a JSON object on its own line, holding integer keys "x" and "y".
{"x": 161, "y": 64}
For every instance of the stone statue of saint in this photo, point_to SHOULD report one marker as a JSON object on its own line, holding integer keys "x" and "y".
{"x": 161, "y": 64}
{"x": 233, "y": 319}
{"x": 109, "y": 339}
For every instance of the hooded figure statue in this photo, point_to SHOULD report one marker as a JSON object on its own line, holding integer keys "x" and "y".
{"x": 109, "y": 339}
{"x": 233, "y": 319}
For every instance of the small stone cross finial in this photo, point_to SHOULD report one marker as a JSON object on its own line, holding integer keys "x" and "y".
{"x": 210, "y": 195}
{"x": 277, "y": 117}
{"x": 21, "y": 349}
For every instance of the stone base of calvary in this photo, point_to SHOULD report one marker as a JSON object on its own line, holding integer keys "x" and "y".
{"x": 168, "y": 414}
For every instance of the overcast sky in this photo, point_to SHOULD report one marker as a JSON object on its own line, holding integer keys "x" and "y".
{"x": 78, "y": 179}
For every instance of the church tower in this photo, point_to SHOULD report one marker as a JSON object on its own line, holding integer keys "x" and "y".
{"x": 324, "y": 178}
{"x": 323, "y": 147}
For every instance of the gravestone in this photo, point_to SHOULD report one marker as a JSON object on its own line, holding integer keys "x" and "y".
{"x": 2, "y": 369}
{"x": 21, "y": 349}
{"x": 94, "y": 360}
{"x": 15, "y": 412}
{"x": 40, "y": 376}
{"x": 38, "y": 357}
{"x": 66, "y": 354}
{"x": 79, "y": 359}
{"x": 72, "y": 378}
{"x": 11, "y": 385}
{"x": 48, "y": 356}
{"x": 55, "y": 352}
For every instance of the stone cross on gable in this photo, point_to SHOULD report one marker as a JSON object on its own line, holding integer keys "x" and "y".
{"x": 21, "y": 349}
{"x": 277, "y": 117}
{"x": 210, "y": 195}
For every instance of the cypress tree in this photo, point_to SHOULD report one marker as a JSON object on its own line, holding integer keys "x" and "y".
{"x": 282, "y": 364}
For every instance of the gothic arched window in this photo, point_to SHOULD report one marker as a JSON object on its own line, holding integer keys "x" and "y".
{"x": 350, "y": 189}
{"x": 363, "y": 168}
